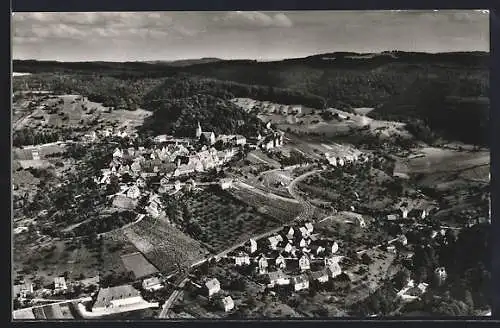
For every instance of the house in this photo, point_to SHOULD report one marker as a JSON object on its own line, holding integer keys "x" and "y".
{"x": 152, "y": 284}
{"x": 22, "y": 290}
{"x": 253, "y": 246}
{"x": 177, "y": 185}
{"x": 60, "y": 284}
{"x": 305, "y": 233}
{"x": 391, "y": 249}
{"x": 115, "y": 297}
{"x": 300, "y": 282}
{"x": 309, "y": 226}
{"x": 227, "y": 303}
{"x": 403, "y": 240}
{"x": 334, "y": 270}
{"x": 290, "y": 233}
{"x": 304, "y": 263}
{"x": 441, "y": 273}
{"x": 263, "y": 265}
{"x": 278, "y": 278}
{"x": 288, "y": 248}
{"x": 281, "y": 262}
{"x": 117, "y": 153}
{"x": 240, "y": 140}
{"x": 226, "y": 183}
{"x": 163, "y": 181}
{"x": 303, "y": 243}
{"x": 317, "y": 249}
{"x": 332, "y": 260}
{"x": 274, "y": 241}
{"x": 335, "y": 247}
{"x": 212, "y": 286}
{"x": 392, "y": 217}
{"x": 160, "y": 138}
{"x": 133, "y": 192}
{"x": 320, "y": 276}
{"x": 404, "y": 212}
{"x": 242, "y": 259}
{"x": 153, "y": 210}
{"x": 135, "y": 167}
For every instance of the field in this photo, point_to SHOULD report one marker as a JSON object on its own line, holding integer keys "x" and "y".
{"x": 225, "y": 220}
{"x": 282, "y": 210}
{"x": 138, "y": 264}
{"x": 161, "y": 243}
{"x": 361, "y": 187}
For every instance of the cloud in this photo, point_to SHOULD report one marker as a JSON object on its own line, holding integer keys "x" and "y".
{"x": 80, "y": 26}
{"x": 253, "y": 19}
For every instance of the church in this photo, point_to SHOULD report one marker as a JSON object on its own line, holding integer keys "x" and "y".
{"x": 205, "y": 137}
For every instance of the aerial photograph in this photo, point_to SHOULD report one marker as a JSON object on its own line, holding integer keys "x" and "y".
{"x": 250, "y": 165}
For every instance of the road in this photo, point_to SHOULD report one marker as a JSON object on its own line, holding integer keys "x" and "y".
{"x": 308, "y": 208}
{"x": 173, "y": 297}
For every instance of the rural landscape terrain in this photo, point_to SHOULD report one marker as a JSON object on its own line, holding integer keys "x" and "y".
{"x": 335, "y": 185}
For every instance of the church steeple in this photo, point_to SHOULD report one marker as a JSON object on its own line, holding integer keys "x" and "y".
{"x": 198, "y": 131}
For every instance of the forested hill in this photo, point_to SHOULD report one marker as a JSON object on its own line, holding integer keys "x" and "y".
{"x": 447, "y": 93}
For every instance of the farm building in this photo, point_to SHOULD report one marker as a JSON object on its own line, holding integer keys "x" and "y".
{"x": 300, "y": 282}
{"x": 152, "y": 283}
{"x": 212, "y": 287}
{"x": 116, "y": 297}
{"x": 60, "y": 284}
{"x": 278, "y": 278}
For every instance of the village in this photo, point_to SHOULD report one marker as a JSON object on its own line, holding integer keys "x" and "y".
{"x": 300, "y": 258}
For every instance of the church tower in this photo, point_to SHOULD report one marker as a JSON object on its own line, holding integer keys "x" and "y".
{"x": 198, "y": 131}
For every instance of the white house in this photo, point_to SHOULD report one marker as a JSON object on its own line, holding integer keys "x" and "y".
{"x": 141, "y": 183}
{"x": 335, "y": 247}
{"x": 332, "y": 260}
{"x": 305, "y": 233}
{"x": 281, "y": 262}
{"x": 303, "y": 243}
{"x": 227, "y": 303}
{"x": 278, "y": 278}
{"x": 441, "y": 273}
{"x": 240, "y": 140}
{"x": 242, "y": 259}
{"x": 334, "y": 270}
{"x": 60, "y": 284}
{"x": 212, "y": 286}
{"x": 152, "y": 284}
{"x": 274, "y": 241}
{"x": 391, "y": 249}
{"x": 403, "y": 240}
{"x": 404, "y": 212}
{"x": 117, "y": 153}
{"x": 263, "y": 265}
{"x": 300, "y": 282}
{"x": 116, "y": 297}
{"x": 288, "y": 248}
{"x": 226, "y": 183}
{"x": 290, "y": 233}
{"x": 304, "y": 263}
{"x": 309, "y": 226}
{"x": 253, "y": 246}
{"x": 392, "y": 217}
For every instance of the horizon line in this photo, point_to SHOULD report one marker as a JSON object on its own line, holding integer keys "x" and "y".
{"x": 254, "y": 59}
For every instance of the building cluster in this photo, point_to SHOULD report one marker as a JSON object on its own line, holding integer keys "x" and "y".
{"x": 294, "y": 257}
{"x": 267, "y": 107}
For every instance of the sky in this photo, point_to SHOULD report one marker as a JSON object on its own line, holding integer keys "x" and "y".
{"x": 142, "y": 36}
